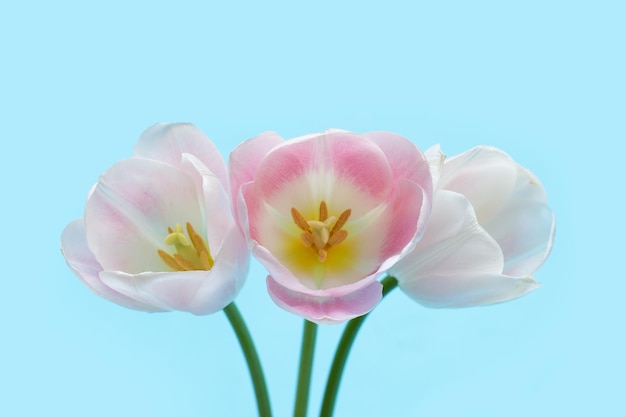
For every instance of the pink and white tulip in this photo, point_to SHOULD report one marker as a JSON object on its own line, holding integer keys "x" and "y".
{"x": 328, "y": 213}
{"x": 158, "y": 232}
{"x": 489, "y": 232}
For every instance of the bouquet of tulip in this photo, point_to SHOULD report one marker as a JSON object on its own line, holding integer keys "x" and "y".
{"x": 338, "y": 219}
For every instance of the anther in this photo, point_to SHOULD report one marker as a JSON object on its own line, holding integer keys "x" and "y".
{"x": 337, "y": 237}
{"x": 343, "y": 218}
{"x": 323, "y": 233}
{"x": 299, "y": 220}
{"x": 307, "y": 239}
{"x": 192, "y": 252}
{"x": 323, "y": 211}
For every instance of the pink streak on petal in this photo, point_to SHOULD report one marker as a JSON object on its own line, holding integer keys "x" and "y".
{"x": 326, "y": 310}
{"x": 167, "y": 142}
{"x": 348, "y": 156}
{"x": 245, "y": 159}
{"x": 407, "y": 214}
{"x": 84, "y": 264}
{"x": 251, "y": 210}
{"x": 405, "y": 159}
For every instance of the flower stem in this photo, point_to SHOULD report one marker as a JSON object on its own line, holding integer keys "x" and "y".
{"x": 341, "y": 355}
{"x": 309, "y": 333}
{"x": 252, "y": 358}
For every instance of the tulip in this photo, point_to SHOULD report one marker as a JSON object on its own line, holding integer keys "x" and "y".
{"x": 158, "y": 232}
{"x": 327, "y": 214}
{"x": 489, "y": 232}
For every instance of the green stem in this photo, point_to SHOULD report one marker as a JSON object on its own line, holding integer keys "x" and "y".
{"x": 341, "y": 355}
{"x": 252, "y": 358}
{"x": 309, "y": 333}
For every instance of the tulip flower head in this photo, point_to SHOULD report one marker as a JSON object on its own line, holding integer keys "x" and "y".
{"x": 328, "y": 213}
{"x": 158, "y": 232}
{"x": 490, "y": 231}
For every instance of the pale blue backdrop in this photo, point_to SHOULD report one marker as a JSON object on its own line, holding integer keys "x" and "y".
{"x": 543, "y": 80}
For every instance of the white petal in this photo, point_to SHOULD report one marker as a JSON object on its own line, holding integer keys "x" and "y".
{"x": 524, "y": 227}
{"x": 130, "y": 209}
{"x": 524, "y": 232}
{"x": 453, "y": 243}
{"x": 167, "y": 142}
{"x": 467, "y": 290}
{"x": 457, "y": 263}
{"x": 83, "y": 263}
{"x": 217, "y": 211}
{"x": 485, "y": 176}
{"x": 435, "y": 158}
{"x": 198, "y": 292}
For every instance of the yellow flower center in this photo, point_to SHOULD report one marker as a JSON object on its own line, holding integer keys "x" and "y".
{"x": 322, "y": 234}
{"x": 192, "y": 252}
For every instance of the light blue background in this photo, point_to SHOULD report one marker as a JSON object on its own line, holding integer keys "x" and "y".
{"x": 543, "y": 80}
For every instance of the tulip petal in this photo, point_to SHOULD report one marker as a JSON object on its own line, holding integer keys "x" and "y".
{"x": 486, "y": 176}
{"x": 453, "y": 243}
{"x": 457, "y": 263}
{"x": 334, "y": 167}
{"x": 525, "y": 232}
{"x": 326, "y": 310}
{"x": 467, "y": 290}
{"x": 408, "y": 213}
{"x": 198, "y": 292}
{"x": 228, "y": 275}
{"x": 165, "y": 290}
{"x": 130, "y": 209}
{"x": 84, "y": 264}
{"x": 167, "y": 142}
{"x": 217, "y": 209}
{"x": 277, "y": 244}
{"x": 245, "y": 159}
{"x": 524, "y": 227}
{"x": 436, "y": 159}
{"x": 405, "y": 159}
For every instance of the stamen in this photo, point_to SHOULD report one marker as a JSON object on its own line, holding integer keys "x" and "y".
{"x": 167, "y": 258}
{"x": 196, "y": 240}
{"x": 192, "y": 252}
{"x": 307, "y": 239}
{"x": 343, "y": 218}
{"x": 323, "y": 211}
{"x": 321, "y": 234}
{"x": 206, "y": 261}
{"x": 337, "y": 237}
{"x": 299, "y": 219}
{"x": 184, "y": 264}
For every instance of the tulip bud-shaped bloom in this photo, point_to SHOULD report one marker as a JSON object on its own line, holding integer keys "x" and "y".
{"x": 327, "y": 213}
{"x": 158, "y": 232}
{"x": 489, "y": 232}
